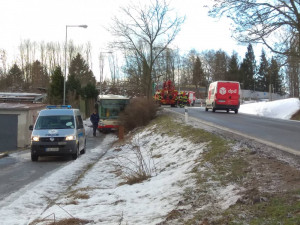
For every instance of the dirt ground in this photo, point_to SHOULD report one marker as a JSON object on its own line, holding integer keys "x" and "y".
{"x": 268, "y": 186}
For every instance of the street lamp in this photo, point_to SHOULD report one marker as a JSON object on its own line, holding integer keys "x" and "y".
{"x": 66, "y": 44}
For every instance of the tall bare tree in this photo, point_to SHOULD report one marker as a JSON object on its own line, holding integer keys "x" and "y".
{"x": 146, "y": 29}
{"x": 275, "y": 23}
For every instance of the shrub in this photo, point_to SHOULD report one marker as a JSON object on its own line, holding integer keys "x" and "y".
{"x": 138, "y": 113}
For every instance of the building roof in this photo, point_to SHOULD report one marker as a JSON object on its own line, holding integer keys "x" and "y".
{"x": 21, "y": 97}
{"x": 20, "y": 106}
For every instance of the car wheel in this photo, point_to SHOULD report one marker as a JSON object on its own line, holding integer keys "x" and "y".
{"x": 75, "y": 155}
{"x": 34, "y": 158}
{"x": 84, "y": 147}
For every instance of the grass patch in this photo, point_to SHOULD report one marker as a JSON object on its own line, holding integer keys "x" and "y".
{"x": 70, "y": 221}
{"x": 277, "y": 209}
{"x": 296, "y": 116}
{"x": 134, "y": 178}
{"x": 157, "y": 156}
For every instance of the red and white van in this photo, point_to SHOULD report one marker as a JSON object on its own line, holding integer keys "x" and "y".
{"x": 223, "y": 95}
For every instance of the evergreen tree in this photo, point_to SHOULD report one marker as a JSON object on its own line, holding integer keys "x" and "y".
{"x": 262, "y": 83}
{"x": 80, "y": 70}
{"x": 56, "y": 88}
{"x": 73, "y": 86}
{"x": 198, "y": 73}
{"x": 220, "y": 65}
{"x": 90, "y": 91}
{"x": 14, "y": 79}
{"x": 233, "y": 68}
{"x": 275, "y": 79}
{"x": 248, "y": 69}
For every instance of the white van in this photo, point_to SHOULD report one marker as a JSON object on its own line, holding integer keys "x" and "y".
{"x": 58, "y": 131}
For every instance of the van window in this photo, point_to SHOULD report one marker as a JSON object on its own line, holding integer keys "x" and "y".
{"x": 79, "y": 122}
{"x": 55, "y": 122}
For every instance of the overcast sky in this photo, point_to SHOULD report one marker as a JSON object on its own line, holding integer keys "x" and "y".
{"x": 46, "y": 20}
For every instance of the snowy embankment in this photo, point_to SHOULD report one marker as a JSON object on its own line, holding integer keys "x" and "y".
{"x": 99, "y": 194}
{"x": 280, "y": 109}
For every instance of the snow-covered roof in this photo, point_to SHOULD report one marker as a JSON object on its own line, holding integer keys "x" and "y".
{"x": 110, "y": 96}
{"x": 21, "y": 97}
{"x": 20, "y": 106}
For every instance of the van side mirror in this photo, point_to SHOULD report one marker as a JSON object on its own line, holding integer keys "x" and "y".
{"x": 31, "y": 127}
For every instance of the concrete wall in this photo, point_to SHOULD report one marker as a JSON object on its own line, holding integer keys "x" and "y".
{"x": 26, "y": 117}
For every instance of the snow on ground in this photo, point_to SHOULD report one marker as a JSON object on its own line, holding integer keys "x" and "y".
{"x": 280, "y": 109}
{"x": 142, "y": 203}
{"x": 105, "y": 201}
{"x": 168, "y": 159}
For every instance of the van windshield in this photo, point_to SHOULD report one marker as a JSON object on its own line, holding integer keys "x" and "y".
{"x": 55, "y": 122}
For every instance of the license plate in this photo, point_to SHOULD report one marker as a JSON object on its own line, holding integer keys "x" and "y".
{"x": 52, "y": 149}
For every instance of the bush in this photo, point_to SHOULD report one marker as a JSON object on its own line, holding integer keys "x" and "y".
{"x": 138, "y": 113}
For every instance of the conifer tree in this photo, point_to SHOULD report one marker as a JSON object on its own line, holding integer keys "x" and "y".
{"x": 80, "y": 70}
{"x": 262, "y": 79}
{"x": 248, "y": 69}
{"x": 81, "y": 80}
{"x": 198, "y": 73}
{"x": 220, "y": 65}
{"x": 233, "y": 68}
{"x": 56, "y": 88}
{"x": 14, "y": 79}
{"x": 275, "y": 78}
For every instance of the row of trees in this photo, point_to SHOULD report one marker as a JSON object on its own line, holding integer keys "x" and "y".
{"x": 198, "y": 69}
{"x": 36, "y": 78}
{"x": 145, "y": 34}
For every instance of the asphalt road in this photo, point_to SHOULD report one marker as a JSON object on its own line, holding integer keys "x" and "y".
{"x": 17, "y": 170}
{"x": 283, "y": 134}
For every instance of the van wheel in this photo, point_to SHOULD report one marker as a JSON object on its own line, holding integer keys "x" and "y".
{"x": 83, "y": 150}
{"x": 227, "y": 110}
{"x": 75, "y": 156}
{"x": 206, "y": 109}
{"x": 213, "y": 109}
{"x": 34, "y": 158}
{"x": 236, "y": 111}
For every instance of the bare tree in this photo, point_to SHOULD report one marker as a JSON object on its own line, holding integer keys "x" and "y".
{"x": 275, "y": 23}
{"x": 146, "y": 30}
{"x": 3, "y": 59}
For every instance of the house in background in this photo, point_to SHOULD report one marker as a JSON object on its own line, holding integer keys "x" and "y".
{"x": 17, "y": 112}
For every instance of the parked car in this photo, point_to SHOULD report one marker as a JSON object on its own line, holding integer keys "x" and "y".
{"x": 223, "y": 95}
{"x": 58, "y": 131}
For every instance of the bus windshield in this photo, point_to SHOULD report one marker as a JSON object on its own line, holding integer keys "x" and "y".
{"x": 110, "y": 108}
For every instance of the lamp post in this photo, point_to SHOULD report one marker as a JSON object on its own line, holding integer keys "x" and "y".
{"x": 66, "y": 44}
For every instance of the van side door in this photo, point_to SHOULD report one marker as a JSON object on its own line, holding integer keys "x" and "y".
{"x": 80, "y": 131}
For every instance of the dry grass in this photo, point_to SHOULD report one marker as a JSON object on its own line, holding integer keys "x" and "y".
{"x": 70, "y": 221}
{"x": 296, "y": 116}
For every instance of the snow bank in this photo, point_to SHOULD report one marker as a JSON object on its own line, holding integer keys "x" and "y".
{"x": 280, "y": 109}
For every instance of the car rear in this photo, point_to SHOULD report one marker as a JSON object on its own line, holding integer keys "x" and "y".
{"x": 227, "y": 96}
